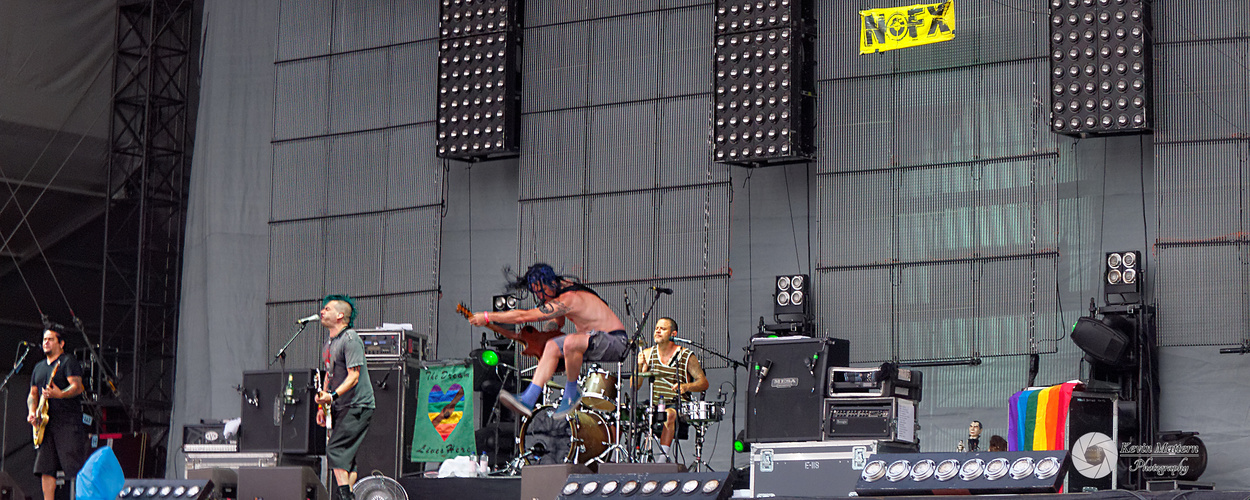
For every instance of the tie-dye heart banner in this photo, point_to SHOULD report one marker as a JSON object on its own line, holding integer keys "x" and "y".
{"x": 444, "y": 423}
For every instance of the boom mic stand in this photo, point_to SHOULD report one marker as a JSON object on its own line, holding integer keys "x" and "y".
{"x": 735, "y": 364}
{"x": 4, "y": 392}
{"x": 634, "y": 341}
{"x": 280, "y": 403}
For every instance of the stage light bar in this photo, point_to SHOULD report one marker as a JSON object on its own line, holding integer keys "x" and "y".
{"x": 479, "y": 79}
{"x": 701, "y": 485}
{"x": 963, "y": 473}
{"x": 1100, "y": 67}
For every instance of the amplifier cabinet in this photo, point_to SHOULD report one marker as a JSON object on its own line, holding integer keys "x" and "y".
{"x": 208, "y": 438}
{"x": 390, "y": 345}
{"x": 785, "y": 403}
{"x": 892, "y": 419}
{"x": 277, "y": 403}
{"x": 814, "y": 468}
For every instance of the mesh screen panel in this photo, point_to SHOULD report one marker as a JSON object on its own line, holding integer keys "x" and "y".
{"x": 1200, "y": 291}
{"x": 624, "y": 58}
{"x": 1201, "y": 88}
{"x": 304, "y": 28}
{"x": 1196, "y": 196}
{"x": 363, "y": 24}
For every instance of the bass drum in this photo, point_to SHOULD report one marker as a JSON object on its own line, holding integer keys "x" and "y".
{"x": 579, "y": 437}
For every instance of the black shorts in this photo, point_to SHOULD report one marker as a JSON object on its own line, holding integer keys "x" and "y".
{"x": 64, "y": 448}
{"x": 350, "y": 427}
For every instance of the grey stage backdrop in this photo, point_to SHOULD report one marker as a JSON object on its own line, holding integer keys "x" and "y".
{"x": 942, "y": 219}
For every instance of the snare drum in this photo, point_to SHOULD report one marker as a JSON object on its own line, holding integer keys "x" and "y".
{"x": 699, "y": 412}
{"x": 599, "y": 390}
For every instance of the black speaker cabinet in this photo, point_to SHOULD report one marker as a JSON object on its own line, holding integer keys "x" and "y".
{"x": 263, "y": 415}
{"x": 281, "y": 483}
{"x": 225, "y": 482}
{"x": 388, "y": 444}
{"x": 1093, "y": 426}
{"x": 788, "y": 403}
{"x": 9, "y": 490}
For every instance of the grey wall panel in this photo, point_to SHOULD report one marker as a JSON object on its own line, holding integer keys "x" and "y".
{"x": 856, "y": 124}
{"x": 1188, "y": 20}
{"x": 964, "y": 49}
{"x": 855, "y": 304}
{"x": 304, "y": 29}
{"x": 1009, "y": 109}
{"x": 837, "y": 43}
{"x": 686, "y": 51}
{"x": 1004, "y": 30}
{"x": 624, "y": 58}
{"x": 622, "y": 147}
{"x": 857, "y": 218}
{"x": 357, "y": 169}
{"x": 420, "y": 309}
{"x": 363, "y": 24}
{"x": 1200, "y": 292}
{"x": 554, "y": 231}
{"x": 303, "y": 99}
{"x": 969, "y": 393}
{"x": 607, "y": 8}
{"x": 305, "y": 351}
{"x": 936, "y": 311}
{"x": 555, "y": 69}
{"x": 1015, "y": 207}
{"x": 698, "y": 306}
{"x": 1200, "y": 90}
{"x": 1017, "y": 304}
{"x": 1195, "y": 185}
{"x": 620, "y": 245}
{"x": 294, "y": 164}
{"x": 415, "y": 21}
{"x": 665, "y": 4}
{"x": 553, "y": 154}
{"x": 410, "y": 249}
{"x": 415, "y": 175}
{"x": 360, "y": 90}
{"x": 693, "y": 231}
{"x": 684, "y": 150}
{"x": 296, "y": 260}
{"x": 935, "y": 117}
{"x": 353, "y": 251}
{"x": 556, "y": 11}
{"x": 936, "y": 219}
{"x": 413, "y": 73}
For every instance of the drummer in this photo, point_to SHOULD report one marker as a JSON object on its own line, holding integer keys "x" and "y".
{"x": 676, "y": 374}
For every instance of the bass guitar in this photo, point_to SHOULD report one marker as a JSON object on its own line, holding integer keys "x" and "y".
{"x": 41, "y": 411}
{"x": 533, "y": 339}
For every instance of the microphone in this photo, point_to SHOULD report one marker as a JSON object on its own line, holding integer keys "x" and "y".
{"x": 29, "y": 344}
{"x": 665, "y": 291}
{"x": 679, "y": 339}
{"x": 764, "y": 367}
{"x": 628, "y": 312}
{"x": 308, "y": 319}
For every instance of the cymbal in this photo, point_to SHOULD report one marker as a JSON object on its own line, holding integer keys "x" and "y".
{"x": 639, "y": 375}
{"x": 554, "y": 385}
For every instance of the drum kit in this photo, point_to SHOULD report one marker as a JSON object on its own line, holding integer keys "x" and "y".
{"x": 607, "y": 427}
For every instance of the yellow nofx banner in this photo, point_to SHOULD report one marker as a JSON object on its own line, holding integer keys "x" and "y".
{"x": 902, "y": 27}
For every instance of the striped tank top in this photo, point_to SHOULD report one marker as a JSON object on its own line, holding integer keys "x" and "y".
{"x": 667, "y": 374}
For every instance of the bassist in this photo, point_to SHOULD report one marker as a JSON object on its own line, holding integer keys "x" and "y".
{"x": 64, "y": 444}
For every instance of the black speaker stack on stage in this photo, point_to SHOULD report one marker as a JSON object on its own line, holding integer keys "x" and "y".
{"x": 786, "y": 386}
{"x": 280, "y": 403}
{"x": 388, "y": 444}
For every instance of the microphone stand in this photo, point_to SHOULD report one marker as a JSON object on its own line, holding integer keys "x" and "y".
{"x": 635, "y": 341}
{"x": 280, "y": 357}
{"x": 733, "y": 420}
{"x": 4, "y": 392}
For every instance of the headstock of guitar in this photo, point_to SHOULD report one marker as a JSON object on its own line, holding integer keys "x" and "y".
{"x": 464, "y": 311}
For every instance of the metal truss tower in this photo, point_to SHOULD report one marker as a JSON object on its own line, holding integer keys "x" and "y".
{"x": 150, "y": 157}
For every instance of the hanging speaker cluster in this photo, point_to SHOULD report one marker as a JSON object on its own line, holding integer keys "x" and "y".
{"x": 1100, "y": 66}
{"x": 479, "y": 79}
{"x": 963, "y": 473}
{"x": 764, "y": 94}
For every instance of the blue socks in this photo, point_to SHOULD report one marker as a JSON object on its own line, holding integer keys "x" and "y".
{"x": 531, "y": 394}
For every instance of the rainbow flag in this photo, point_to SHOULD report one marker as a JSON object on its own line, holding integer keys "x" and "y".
{"x": 1037, "y": 418}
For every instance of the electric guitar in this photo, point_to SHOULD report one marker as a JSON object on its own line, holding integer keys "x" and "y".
{"x": 532, "y": 338}
{"x": 324, "y": 377}
{"x": 41, "y": 411}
